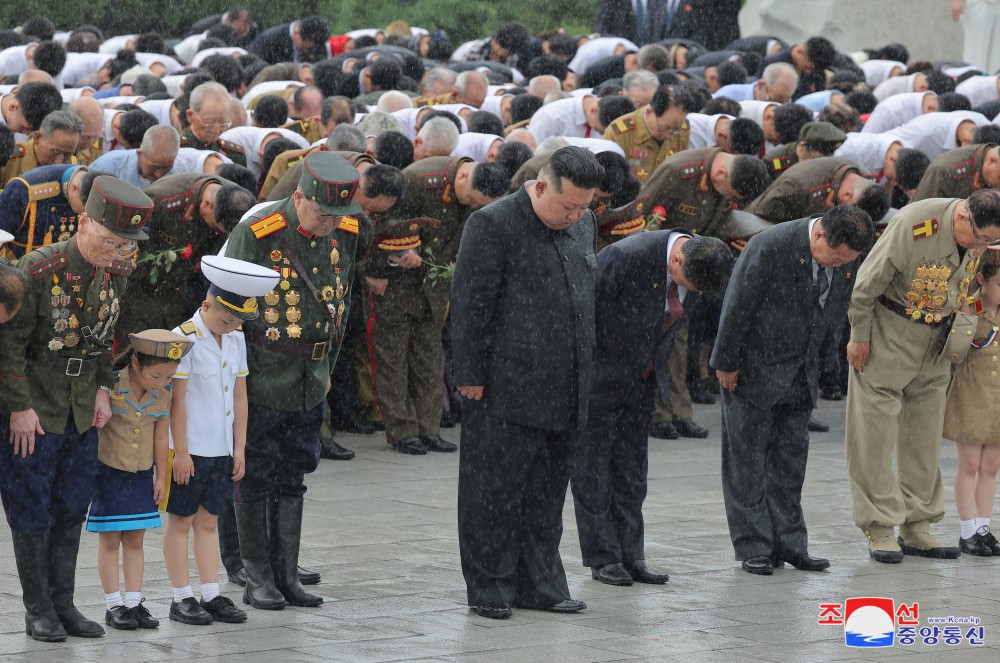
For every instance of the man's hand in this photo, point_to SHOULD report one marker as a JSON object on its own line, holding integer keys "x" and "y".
{"x": 102, "y": 409}
{"x": 24, "y": 425}
{"x": 377, "y": 286}
{"x": 857, "y": 354}
{"x": 239, "y": 466}
{"x": 472, "y": 393}
{"x": 956, "y": 9}
{"x": 406, "y": 260}
{"x": 728, "y": 379}
{"x": 183, "y": 468}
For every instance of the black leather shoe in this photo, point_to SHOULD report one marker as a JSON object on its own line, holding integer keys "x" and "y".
{"x": 991, "y": 543}
{"x": 436, "y": 443}
{"x": 642, "y": 573}
{"x": 121, "y": 618}
{"x": 142, "y": 616}
{"x": 817, "y": 426}
{"x": 329, "y": 449}
{"x": 700, "y": 393}
{"x": 759, "y": 565}
{"x": 663, "y": 430}
{"x": 497, "y": 610}
{"x": 307, "y": 577}
{"x": 611, "y": 574}
{"x": 411, "y": 446}
{"x": 188, "y": 611}
{"x": 975, "y": 545}
{"x": 239, "y": 578}
{"x": 831, "y": 394}
{"x": 566, "y": 607}
{"x": 806, "y": 563}
{"x": 687, "y": 428}
{"x": 223, "y": 610}
{"x": 44, "y": 627}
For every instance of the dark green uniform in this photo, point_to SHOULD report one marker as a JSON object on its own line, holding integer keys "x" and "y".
{"x": 228, "y": 148}
{"x": 410, "y": 316}
{"x": 682, "y": 187}
{"x": 954, "y": 174}
{"x": 807, "y": 188}
{"x": 780, "y": 159}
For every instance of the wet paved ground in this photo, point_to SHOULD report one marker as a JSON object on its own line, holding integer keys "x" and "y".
{"x": 382, "y": 532}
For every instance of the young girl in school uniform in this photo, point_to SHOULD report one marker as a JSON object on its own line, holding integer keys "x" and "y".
{"x": 125, "y": 504}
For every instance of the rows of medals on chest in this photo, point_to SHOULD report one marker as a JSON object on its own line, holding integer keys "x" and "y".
{"x": 928, "y": 292}
{"x": 66, "y": 323}
{"x": 333, "y": 295}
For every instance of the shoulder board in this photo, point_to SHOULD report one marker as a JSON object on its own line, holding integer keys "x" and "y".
{"x": 120, "y": 268}
{"x": 689, "y": 170}
{"x": 230, "y": 146}
{"x": 296, "y": 159}
{"x": 268, "y": 225}
{"x": 43, "y": 191}
{"x": 349, "y": 224}
{"x": 18, "y": 151}
{"x": 963, "y": 170}
{"x": 623, "y": 125}
{"x": 43, "y": 268}
{"x": 435, "y": 180}
{"x": 298, "y": 127}
{"x": 175, "y": 203}
{"x": 189, "y": 328}
{"x": 926, "y": 228}
{"x": 184, "y": 141}
{"x": 778, "y": 163}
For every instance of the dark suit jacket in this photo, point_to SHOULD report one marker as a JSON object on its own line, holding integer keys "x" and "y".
{"x": 617, "y": 17}
{"x": 631, "y": 306}
{"x": 274, "y": 44}
{"x": 766, "y": 331}
{"x": 522, "y": 316}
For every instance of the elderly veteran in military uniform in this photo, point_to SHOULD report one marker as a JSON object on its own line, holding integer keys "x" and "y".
{"x": 310, "y": 240}
{"x": 279, "y": 169}
{"x": 905, "y": 295}
{"x": 207, "y": 117}
{"x": 192, "y": 213}
{"x": 411, "y": 304}
{"x": 42, "y": 206}
{"x": 618, "y": 223}
{"x": 816, "y": 139}
{"x": 55, "y": 394}
{"x": 817, "y": 185}
{"x": 959, "y": 172}
{"x": 55, "y": 142}
{"x": 653, "y": 132}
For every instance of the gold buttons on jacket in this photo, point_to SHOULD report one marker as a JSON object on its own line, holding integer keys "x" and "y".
{"x": 138, "y": 414}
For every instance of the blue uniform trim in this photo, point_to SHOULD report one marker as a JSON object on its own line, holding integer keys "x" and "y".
{"x": 124, "y": 523}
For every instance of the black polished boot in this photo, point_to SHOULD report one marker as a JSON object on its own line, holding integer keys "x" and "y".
{"x": 64, "y": 547}
{"x": 31, "y": 554}
{"x": 284, "y": 516}
{"x": 260, "y": 590}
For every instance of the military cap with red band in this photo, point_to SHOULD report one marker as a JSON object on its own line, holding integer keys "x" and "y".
{"x": 120, "y": 207}
{"x": 331, "y": 182}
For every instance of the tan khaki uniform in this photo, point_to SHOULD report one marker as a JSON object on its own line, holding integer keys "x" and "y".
{"x": 285, "y": 186}
{"x": 126, "y": 442}
{"x": 22, "y": 159}
{"x": 954, "y": 174}
{"x": 895, "y": 407}
{"x": 644, "y": 153}
{"x": 279, "y": 167}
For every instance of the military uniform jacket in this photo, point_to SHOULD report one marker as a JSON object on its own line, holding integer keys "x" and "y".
{"x": 89, "y": 155}
{"x": 308, "y": 128}
{"x": 430, "y": 192}
{"x": 291, "y": 320}
{"x": 807, "y": 188}
{"x": 289, "y": 179}
{"x": 67, "y": 294}
{"x": 915, "y": 264}
{"x": 126, "y": 441}
{"x": 34, "y": 208}
{"x": 282, "y": 163}
{"x": 780, "y": 159}
{"x": 22, "y": 159}
{"x": 643, "y": 152}
{"x": 682, "y": 186}
{"x": 522, "y": 317}
{"x": 228, "y": 148}
{"x": 954, "y": 174}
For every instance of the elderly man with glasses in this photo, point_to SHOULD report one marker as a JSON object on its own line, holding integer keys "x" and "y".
{"x": 56, "y": 393}
{"x": 207, "y": 117}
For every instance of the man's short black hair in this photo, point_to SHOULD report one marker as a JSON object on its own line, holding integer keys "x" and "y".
{"x": 842, "y": 116}
{"x": 393, "y": 149}
{"x": 50, "y": 57}
{"x": 732, "y": 73}
{"x": 546, "y": 65}
{"x": 575, "y": 164}
{"x": 9, "y": 38}
{"x": 210, "y": 42}
{"x": 13, "y": 286}
{"x": 523, "y": 106}
{"x": 895, "y": 52}
{"x": 988, "y": 133}
{"x": 6, "y": 144}
{"x": 328, "y": 77}
{"x": 693, "y": 95}
{"x": 875, "y": 201}
{"x": 708, "y": 263}
{"x": 239, "y": 175}
{"x": 270, "y": 111}
{"x": 745, "y": 137}
{"x": 485, "y": 122}
{"x": 38, "y": 28}
{"x": 940, "y": 82}
{"x": 846, "y": 80}
{"x": 564, "y": 45}
{"x": 275, "y": 148}
{"x": 364, "y": 41}
{"x": 87, "y": 182}
{"x": 668, "y": 78}
{"x": 314, "y": 29}
{"x": 984, "y": 206}
{"x": 722, "y": 105}
{"x": 147, "y": 84}
{"x": 610, "y": 109}
{"x": 384, "y": 73}
{"x": 665, "y": 97}
{"x": 232, "y": 201}
{"x": 609, "y": 90}
{"x": 989, "y": 110}
{"x": 748, "y": 176}
{"x": 862, "y": 101}
{"x": 150, "y": 42}
{"x": 297, "y": 96}
{"x": 83, "y": 41}
{"x": 490, "y": 179}
{"x": 851, "y": 225}
{"x": 616, "y": 171}
{"x": 384, "y": 180}
{"x": 448, "y": 115}
{"x": 221, "y": 31}
{"x": 512, "y": 155}
{"x": 226, "y": 71}
{"x": 513, "y": 36}
{"x": 38, "y": 100}
{"x": 788, "y": 121}
{"x": 196, "y": 78}
{"x": 911, "y": 165}
{"x": 953, "y": 101}
{"x": 820, "y": 52}
{"x": 122, "y": 62}
{"x": 134, "y": 125}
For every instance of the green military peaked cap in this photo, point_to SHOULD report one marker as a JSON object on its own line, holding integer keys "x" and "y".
{"x": 821, "y": 133}
{"x": 119, "y": 207}
{"x": 331, "y": 182}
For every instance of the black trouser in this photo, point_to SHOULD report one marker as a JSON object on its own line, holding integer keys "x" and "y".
{"x": 512, "y": 483}
{"x": 343, "y": 400}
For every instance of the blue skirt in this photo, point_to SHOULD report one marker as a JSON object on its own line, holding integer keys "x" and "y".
{"x": 124, "y": 501}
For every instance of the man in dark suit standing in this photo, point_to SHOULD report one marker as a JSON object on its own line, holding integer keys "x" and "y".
{"x": 639, "y": 21}
{"x": 298, "y": 41}
{"x": 523, "y": 341}
{"x": 793, "y": 283}
{"x": 644, "y": 284}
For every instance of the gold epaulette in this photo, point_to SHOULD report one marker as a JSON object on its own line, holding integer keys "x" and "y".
{"x": 43, "y": 190}
{"x": 43, "y": 268}
{"x": 18, "y": 152}
{"x": 926, "y": 228}
{"x": 230, "y": 146}
{"x": 189, "y": 328}
{"x": 268, "y": 225}
{"x": 623, "y": 125}
{"x": 349, "y": 224}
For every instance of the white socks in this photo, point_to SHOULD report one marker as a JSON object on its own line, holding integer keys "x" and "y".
{"x": 982, "y": 523}
{"x": 132, "y": 599}
{"x": 209, "y": 590}
{"x": 181, "y": 593}
{"x": 973, "y": 525}
{"x": 113, "y": 599}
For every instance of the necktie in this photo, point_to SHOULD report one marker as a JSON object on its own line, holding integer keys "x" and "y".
{"x": 640, "y": 20}
{"x": 671, "y": 11}
{"x": 675, "y": 312}
{"x": 820, "y": 288}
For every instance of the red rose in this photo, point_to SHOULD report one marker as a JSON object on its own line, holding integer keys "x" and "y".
{"x": 186, "y": 253}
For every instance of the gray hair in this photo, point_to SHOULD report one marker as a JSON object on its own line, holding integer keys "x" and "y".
{"x": 394, "y": 100}
{"x": 439, "y": 136}
{"x": 161, "y": 137}
{"x": 62, "y": 120}
{"x": 206, "y": 91}
{"x": 642, "y": 79}
{"x": 377, "y": 123}
{"x": 555, "y": 96}
{"x": 777, "y": 70}
{"x": 550, "y": 145}
{"x": 440, "y": 74}
{"x": 346, "y": 138}
{"x": 466, "y": 77}
{"x": 543, "y": 85}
